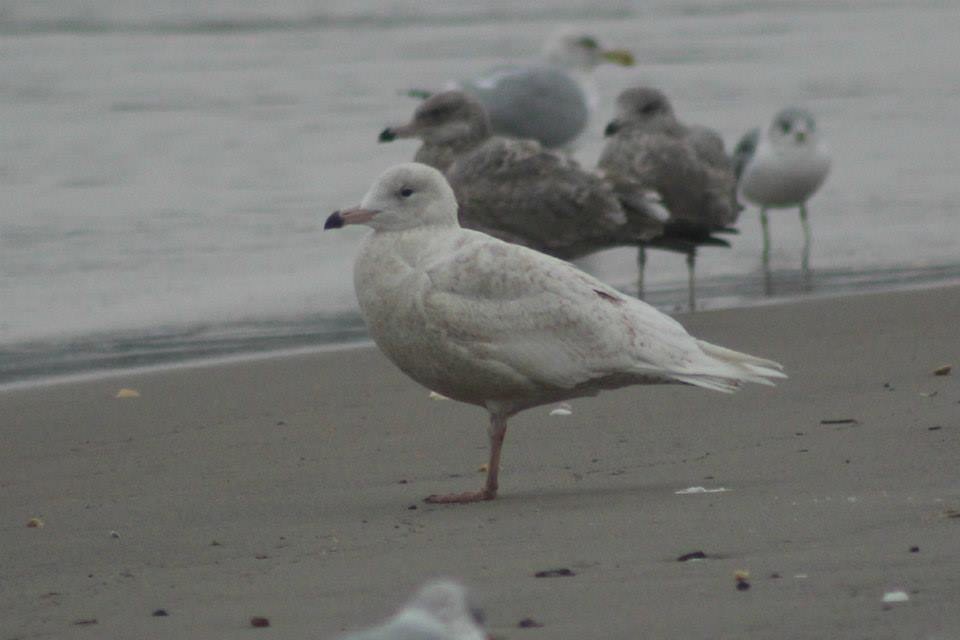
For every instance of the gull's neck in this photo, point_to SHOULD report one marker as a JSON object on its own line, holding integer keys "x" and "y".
{"x": 440, "y": 155}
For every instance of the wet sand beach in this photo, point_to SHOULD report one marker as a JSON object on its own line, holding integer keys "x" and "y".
{"x": 291, "y": 488}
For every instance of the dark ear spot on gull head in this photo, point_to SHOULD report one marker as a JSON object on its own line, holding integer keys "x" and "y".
{"x": 612, "y": 127}
{"x": 588, "y": 42}
{"x": 638, "y": 104}
{"x": 794, "y": 122}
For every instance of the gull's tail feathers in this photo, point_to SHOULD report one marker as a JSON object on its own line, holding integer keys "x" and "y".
{"x": 714, "y": 383}
{"x": 750, "y": 368}
{"x": 742, "y": 368}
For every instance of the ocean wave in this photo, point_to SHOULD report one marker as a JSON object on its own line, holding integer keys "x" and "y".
{"x": 34, "y": 25}
{"x": 165, "y": 345}
{"x": 157, "y": 346}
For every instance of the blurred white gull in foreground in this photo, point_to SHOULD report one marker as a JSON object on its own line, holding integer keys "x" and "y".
{"x": 438, "y": 611}
{"x": 781, "y": 167}
{"x": 504, "y": 327}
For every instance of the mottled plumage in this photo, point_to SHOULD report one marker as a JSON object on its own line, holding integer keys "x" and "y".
{"x": 503, "y": 327}
{"x": 648, "y": 149}
{"x": 520, "y": 192}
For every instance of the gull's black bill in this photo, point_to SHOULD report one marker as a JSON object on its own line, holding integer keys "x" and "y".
{"x": 335, "y": 221}
{"x": 387, "y": 135}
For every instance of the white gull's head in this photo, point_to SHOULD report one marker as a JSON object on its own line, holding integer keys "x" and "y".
{"x": 793, "y": 126}
{"x": 406, "y": 196}
{"x": 445, "y": 600}
{"x": 579, "y": 51}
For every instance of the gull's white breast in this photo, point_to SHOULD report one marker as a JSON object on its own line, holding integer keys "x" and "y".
{"x": 392, "y": 285}
{"x": 784, "y": 176}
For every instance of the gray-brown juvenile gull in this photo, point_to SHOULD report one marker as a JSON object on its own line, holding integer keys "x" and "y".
{"x": 648, "y": 148}
{"x": 438, "y": 611}
{"x": 549, "y": 100}
{"x": 503, "y": 327}
{"x": 781, "y": 167}
{"x": 520, "y": 192}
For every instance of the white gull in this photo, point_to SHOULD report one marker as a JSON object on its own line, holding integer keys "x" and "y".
{"x": 781, "y": 167}
{"x": 549, "y": 100}
{"x": 438, "y": 611}
{"x": 502, "y": 326}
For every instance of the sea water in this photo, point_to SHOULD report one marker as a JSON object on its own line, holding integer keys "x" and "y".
{"x": 166, "y": 166}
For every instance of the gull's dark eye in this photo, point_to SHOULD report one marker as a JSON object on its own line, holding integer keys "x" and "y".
{"x": 406, "y": 192}
{"x": 784, "y": 126}
{"x": 588, "y": 43}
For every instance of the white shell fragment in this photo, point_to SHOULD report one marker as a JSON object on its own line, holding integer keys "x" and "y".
{"x": 896, "y": 596}
{"x": 691, "y": 490}
{"x": 563, "y": 409}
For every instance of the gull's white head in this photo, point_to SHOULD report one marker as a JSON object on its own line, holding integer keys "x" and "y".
{"x": 578, "y": 51}
{"x": 446, "y": 602}
{"x": 406, "y": 196}
{"x": 794, "y": 127}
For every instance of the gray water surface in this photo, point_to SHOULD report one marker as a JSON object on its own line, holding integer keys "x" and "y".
{"x": 165, "y": 169}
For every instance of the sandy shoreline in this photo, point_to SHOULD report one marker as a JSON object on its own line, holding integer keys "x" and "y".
{"x": 304, "y": 469}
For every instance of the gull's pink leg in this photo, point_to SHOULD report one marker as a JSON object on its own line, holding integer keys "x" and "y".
{"x": 497, "y": 431}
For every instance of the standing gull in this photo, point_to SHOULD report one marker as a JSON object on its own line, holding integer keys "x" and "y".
{"x": 438, "y": 611}
{"x": 551, "y": 100}
{"x": 648, "y": 149}
{"x": 518, "y": 191}
{"x": 781, "y": 168}
{"x": 503, "y": 327}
